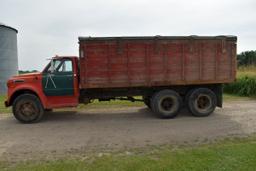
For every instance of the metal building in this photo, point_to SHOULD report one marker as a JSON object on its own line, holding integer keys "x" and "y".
{"x": 8, "y": 55}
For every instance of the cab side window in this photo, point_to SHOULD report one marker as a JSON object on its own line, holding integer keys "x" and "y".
{"x": 66, "y": 66}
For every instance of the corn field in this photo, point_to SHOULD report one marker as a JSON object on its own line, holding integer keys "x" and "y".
{"x": 245, "y": 84}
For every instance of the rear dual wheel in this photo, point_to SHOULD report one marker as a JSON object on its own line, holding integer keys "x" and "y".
{"x": 166, "y": 103}
{"x": 201, "y": 102}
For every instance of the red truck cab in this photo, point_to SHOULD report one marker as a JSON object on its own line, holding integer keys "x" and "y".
{"x": 58, "y": 79}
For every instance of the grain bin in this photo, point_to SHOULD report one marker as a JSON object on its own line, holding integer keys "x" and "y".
{"x": 8, "y": 55}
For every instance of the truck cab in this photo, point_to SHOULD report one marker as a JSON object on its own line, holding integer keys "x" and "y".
{"x": 56, "y": 86}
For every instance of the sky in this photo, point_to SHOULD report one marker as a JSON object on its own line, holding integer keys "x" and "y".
{"x": 52, "y": 27}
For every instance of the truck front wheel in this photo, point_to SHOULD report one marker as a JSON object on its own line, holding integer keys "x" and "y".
{"x": 166, "y": 103}
{"x": 27, "y": 108}
{"x": 202, "y": 102}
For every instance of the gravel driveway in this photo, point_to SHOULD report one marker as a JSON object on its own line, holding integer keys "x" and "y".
{"x": 71, "y": 132}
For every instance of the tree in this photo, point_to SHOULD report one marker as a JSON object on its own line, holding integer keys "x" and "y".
{"x": 246, "y": 58}
{"x": 25, "y": 72}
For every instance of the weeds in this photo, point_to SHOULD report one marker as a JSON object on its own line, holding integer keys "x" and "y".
{"x": 245, "y": 85}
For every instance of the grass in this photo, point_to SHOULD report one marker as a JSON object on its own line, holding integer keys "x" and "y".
{"x": 3, "y": 109}
{"x": 226, "y": 155}
{"x": 247, "y": 71}
{"x": 112, "y": 103}
{"x": 232, "y": 97}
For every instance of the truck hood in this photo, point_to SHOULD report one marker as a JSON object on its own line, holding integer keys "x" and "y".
{"x": 26, "y": 77}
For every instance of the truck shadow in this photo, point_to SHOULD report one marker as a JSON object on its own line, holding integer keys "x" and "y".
{"x": 129, "y": 114}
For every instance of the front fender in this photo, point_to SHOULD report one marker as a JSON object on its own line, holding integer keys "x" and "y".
{"x": 25, "y": 88}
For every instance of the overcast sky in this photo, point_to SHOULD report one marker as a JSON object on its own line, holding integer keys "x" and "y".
{"x": 49, "y": 27}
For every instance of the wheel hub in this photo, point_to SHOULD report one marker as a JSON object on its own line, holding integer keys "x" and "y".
{"x": 203, "y": 102}
{"x": 167, "y": 104}
{"x": 28, "y": 109}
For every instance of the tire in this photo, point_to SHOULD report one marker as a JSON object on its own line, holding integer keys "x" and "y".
{"x": 27, "y": 108}
{"x": 202, "y": 102}
{"x": 166, "y": 104}
{"x": 146, "y": 100}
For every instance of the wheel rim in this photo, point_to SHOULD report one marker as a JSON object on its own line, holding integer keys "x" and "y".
{"x": 203, "y": 103}
{"x": 168, "y": 105}
{"x": 28, "y": 110}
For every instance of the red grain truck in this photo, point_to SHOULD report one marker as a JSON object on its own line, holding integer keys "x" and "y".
{"x": 169, "y": 72}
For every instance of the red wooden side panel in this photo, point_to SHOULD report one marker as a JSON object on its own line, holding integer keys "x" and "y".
{"x": 136, "y": 63}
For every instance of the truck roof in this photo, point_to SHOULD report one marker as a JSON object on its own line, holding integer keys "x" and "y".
{"x": 228, "y": 37}
{"x": 60, "y": 57}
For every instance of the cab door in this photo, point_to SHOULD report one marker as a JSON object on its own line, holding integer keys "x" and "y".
{"x": 60, "y": 81}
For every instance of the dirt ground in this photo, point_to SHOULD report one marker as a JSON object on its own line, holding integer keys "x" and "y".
{"x": 70, "y": 132}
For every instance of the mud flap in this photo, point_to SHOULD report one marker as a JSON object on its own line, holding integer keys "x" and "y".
{"x": 219, "y": 94}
